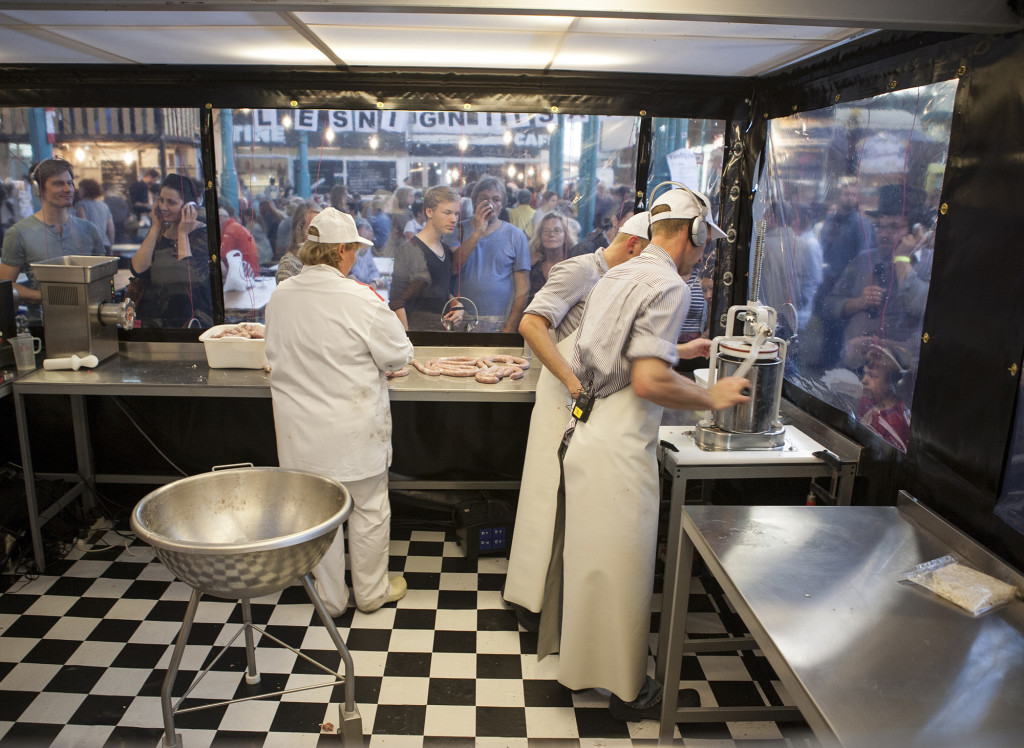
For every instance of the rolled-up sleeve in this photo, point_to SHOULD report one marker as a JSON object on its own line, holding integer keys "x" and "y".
{"x": 656, "y": 327}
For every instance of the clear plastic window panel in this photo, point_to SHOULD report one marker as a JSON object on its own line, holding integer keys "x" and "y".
{"x": 848, "y": 199}
{"x": 690, "y": 152}
{"x": 120, "y": 157}
{"x": 412, "y": 181}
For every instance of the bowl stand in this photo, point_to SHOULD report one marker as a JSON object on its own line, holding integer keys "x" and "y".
{"x": 350, "y": 724}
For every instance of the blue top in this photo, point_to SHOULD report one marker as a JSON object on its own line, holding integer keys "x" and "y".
{"x": 487, "y": 274}
{"x": 364, "y": 270}
{"x": 381, "y": 223}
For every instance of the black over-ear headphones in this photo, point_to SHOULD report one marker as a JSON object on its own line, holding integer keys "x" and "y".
{"x": 36, "y": 178}
{"x": 698, "y": 227}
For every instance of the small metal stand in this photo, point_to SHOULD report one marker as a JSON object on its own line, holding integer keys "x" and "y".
{"x": 350, "y": 726}
{"x": 710, "y": 437}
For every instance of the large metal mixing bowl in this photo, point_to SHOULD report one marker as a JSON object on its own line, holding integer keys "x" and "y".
{"x": 244, "y": 532}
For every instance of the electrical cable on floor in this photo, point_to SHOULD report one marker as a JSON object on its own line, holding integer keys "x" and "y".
{"x": 117, "y": 402}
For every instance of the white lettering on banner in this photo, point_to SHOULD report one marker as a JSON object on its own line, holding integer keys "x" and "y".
{"x": 307, "y": 120}
{"x": 265, "y": 118}
{"x": 682, "y": 167}
{"x": 243, "y": 134}
{"x": 531, "y": 139}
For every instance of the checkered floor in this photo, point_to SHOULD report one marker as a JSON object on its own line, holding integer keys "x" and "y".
{"x": 84, "y": 648}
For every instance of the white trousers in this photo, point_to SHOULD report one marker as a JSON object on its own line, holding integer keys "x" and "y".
{"x": 369, "y": 532}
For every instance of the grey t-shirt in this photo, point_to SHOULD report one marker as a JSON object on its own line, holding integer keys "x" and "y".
{"x": 30, "y": 240}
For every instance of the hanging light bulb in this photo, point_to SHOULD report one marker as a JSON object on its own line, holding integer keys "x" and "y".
{"x": 507, "y": 137}
{"x": 79, "y": 155}
{"x": 330, "y": 136}
{"x": 374, "y": 142}
{"x": 512, "y": 172}
{"x": 463, "y": 143}
{"x": 286, "y": 121}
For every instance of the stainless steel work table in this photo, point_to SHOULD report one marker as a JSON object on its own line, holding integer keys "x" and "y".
{"x": 180, "y": 370}
{"x": 871, "y": 662}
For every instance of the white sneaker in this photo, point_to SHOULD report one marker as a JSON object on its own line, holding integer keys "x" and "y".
{"x": 396, "y": 591}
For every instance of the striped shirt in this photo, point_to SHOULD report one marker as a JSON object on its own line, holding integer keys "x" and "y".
{"x": 562, "y": 299}
{"x": 635, "y": 311}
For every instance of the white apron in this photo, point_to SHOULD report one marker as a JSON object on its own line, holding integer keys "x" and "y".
{"x": 535, "y": 514}
{"x": 611, "y": 529}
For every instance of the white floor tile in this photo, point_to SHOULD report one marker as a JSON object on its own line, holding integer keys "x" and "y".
{"x": 121, "y": 681}
{"x": 453, "y": 665}
{"x": 455, "y": 620}
{"x": 397, "y": 690}
{"x": 28, "y": 676}
{"x": 498, "y": 642}
{"x": 251, "y": 716}
{"x": 411, "y": 640}
{"x": 84, "y": 736}
{"x": 450, "y": 721}
{"x": 52, "y": 708}
{"x": 499, "y": 692}
{"x": 551, "y": 722}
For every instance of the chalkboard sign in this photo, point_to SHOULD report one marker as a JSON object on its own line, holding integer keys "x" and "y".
{"x": 119, "y": 174}
{"x": 366, "y": 176}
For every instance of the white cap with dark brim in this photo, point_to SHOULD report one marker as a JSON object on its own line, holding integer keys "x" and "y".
{"x": 335, "y": 227}
{"x": 637, "y": 225}
{"x": 686, "y": 204}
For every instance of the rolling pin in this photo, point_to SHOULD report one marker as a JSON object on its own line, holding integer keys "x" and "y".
{"x": 72, "y": 362}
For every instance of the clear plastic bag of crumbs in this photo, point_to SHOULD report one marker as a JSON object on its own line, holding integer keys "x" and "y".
{"x": 963, "y": 586}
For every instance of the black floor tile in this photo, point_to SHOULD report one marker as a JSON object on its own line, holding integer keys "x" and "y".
{"x": 500, "y": 721}
{"x": 113, "y": 630}
{"x": 498, "y": 666}
{"x": 52, "y": 651}
{"x": 736, "y": 693}
{"x": 407, "y": 664}
{"x": 598, "y": 723}
{"x": 411, "y": 618}
{"x": 456, "y": 599}
{"x": 452, "y": 691}
{"x": 75, "y": 679}
{"x": 454, "y": 641}
{"x": 30, "y": 735}
{"x": 375, "y": 640}
{"x": 139, "y": 655}
{"x": 97, "y": 607}
{"x": 101, "y": 710}
{"x": 31, "y": 627}
{"x": 396, "y": 719}
{"x": 546, "y": 693}
{"x": 13, "y": 703}
{"x": 496, "y": 620}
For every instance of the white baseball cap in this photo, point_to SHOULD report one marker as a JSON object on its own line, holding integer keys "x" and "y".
{"x": 638, "y": 224}
{"x": 334, "y": 227}
{"x": 686, "y": 204}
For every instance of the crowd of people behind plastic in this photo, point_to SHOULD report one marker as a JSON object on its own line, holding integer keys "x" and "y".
{"x": 856, "y": 280}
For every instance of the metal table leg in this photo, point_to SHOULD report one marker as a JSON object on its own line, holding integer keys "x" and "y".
{"x": 30, "y": 481}
{"x": 675, "y": 603}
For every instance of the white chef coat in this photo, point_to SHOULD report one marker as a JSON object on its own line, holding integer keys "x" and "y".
{"x": 329, "y": 341}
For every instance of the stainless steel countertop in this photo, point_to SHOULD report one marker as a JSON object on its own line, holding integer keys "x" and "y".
{"x": 182, "y": 371}
{"x": 883, "y": 664}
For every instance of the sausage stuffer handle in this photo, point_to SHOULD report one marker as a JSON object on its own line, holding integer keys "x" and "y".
{"x": 72, "y": 362}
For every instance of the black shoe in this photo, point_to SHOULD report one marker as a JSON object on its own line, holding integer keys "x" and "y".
{"x": 527, "y": 618}
{"x": 623, "y": 712}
